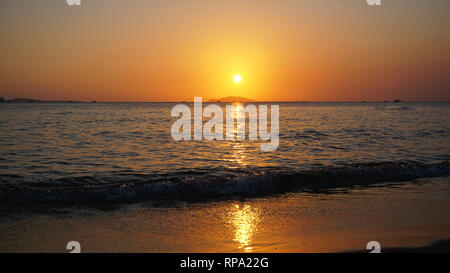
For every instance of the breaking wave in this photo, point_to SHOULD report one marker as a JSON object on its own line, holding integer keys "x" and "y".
{"x": 207, "y": 184}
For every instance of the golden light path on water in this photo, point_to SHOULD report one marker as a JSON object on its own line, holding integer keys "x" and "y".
{"x": 245, "y": 220}
{"x": 238, "y": 148}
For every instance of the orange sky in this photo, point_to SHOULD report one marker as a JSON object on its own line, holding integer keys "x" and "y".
{"x": 137, "y": 50}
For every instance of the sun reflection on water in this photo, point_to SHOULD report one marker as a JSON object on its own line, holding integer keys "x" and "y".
{"x": 245, "y": 220}
{"x": 238, "y": 148}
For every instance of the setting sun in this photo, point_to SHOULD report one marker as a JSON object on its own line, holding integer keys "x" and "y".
{"x": 237, "y": 78}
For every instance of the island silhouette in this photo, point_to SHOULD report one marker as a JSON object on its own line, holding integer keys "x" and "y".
{"x": 231, "y": 99}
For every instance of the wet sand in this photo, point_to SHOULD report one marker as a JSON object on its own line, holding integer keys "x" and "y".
{"x": 403, "y": 218}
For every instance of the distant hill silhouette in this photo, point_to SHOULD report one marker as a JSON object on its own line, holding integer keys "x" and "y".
{"x": 232, "y": 99}
{"x": 22, "y": 100}
{"x": 27, "y": 100}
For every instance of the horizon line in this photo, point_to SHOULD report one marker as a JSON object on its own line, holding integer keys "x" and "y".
{"x": 30, "y": 100}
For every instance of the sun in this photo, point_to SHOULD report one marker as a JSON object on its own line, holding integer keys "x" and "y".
{"x": 237, "y": 78}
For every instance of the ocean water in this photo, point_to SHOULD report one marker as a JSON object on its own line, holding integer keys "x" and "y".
{"x": 78, "y": 153}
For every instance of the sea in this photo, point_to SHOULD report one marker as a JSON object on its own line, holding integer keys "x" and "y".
{"x": 121, "y": 153}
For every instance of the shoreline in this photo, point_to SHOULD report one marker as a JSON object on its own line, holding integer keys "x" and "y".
{"x": 441, "y": 246}
{"x": 403, "y": 218}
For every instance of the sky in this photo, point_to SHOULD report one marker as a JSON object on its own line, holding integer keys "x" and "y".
{"x": 167, "y": 50}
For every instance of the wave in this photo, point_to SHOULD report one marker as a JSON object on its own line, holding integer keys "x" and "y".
{"x": 394, "y": 108}
{"x": 128, "y": 187}
{"x": 309, "y": 134}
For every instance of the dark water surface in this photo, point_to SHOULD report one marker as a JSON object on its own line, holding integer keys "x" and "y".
{"x": 124, "y": 152}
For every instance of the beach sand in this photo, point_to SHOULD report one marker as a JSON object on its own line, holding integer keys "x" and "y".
{"x": 401, "y": 217}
